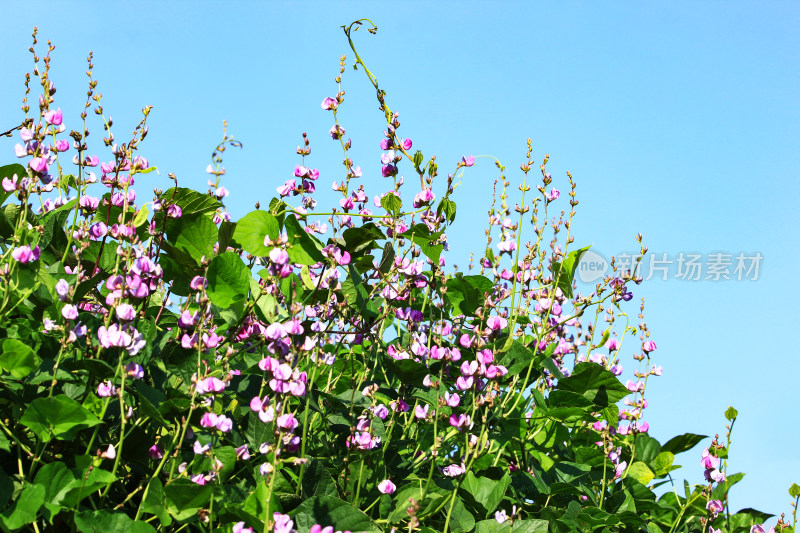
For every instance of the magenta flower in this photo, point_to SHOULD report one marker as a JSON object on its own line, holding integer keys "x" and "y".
{"x": 106, "y": 389}
{"x": 24, "y": 254}
{"x": 198, "y": 283}
{"x": 552, "y": 194}
{"x": 287, "y": 422}
{"x": 283, "y": 523}
{"x": 70, "y": 312}
{"x": 210, "y": 385}
{"x": 497, "y": 323}
{"x": 337, "y": 132}
{"x": 407, "y": 144}
{"x": 134, "y": 370}
{"x": 421, "y": 411}
{"x": 649, "y": 346}
{"x": 62, "y": 145}
{"x": 386, "y": 487}
{"x": 423, "y": 197}
{"x": 454, "y": 470}
{"x": 10, "y": 185}
{"x": 38, "y": 165}
{"x": 239, "y": 527}
{"x": 467, "y": 161}
{"x": 155, "y": 452}
{"x": 329, "y": 103}
{"x": 174, "y": 211}
{"x": 54, "y": 117}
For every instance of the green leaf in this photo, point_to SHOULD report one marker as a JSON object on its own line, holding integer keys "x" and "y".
{"x": 24, "y": 510}
{"x": 190, "y": 201}
{"x": 18, "y": 359}
{"x": 141, "y": 216}
{"x": 520, "y": 526}
{"x": 794, "y": 490}
{"x": 185, "y": 498}
{"x": 228, "y": 279}
{"x": 332, "y": 511}
{"x": 257, "y": 504}
{"x": 393, "y": 204}
{"x": 731, "y": 414}
{"x": 253, "y": 229}
{"x": 595, "y": 383}
{"x": 461, "y": 520}
{"x": 155, "y": 501}
{"x": 466, "y": 293}
{"x": 565, "y": 271}
{"x": 486, "y": 492}
{"x": 362, "y": 239}
{"x": 194, "y": 234}
{"x": 682, "y": 443}
{"x": 107, "y": 522}
{"x": 57, "y": 416}
{"x": 448, "y": 208}
{"x": 317, "y": 481}
{"x": 304, "y": 248}
{"x": 663, "y": 463}
{"x": 647, "y": 448}
{"x": 641, "y": 472}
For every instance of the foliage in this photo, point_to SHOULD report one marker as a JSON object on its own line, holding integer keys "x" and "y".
{"x": 165, "y": 367}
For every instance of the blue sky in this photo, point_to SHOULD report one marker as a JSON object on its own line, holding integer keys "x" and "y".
{"x": 679, "y": 120}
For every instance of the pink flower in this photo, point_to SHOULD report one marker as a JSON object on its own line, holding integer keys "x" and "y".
{"x": 337, "y": 132}
{"x": 134, "y": 370}
{"x": 454, "y": 470}
{"x": 106, "y": 389}
{"x": 209, "y": 420}
{"x": 467, "y": 161}
{"x": 287, "y": 422}
{"x": 155, "y": 452}
{"x": 497, "y": 323}
{"x": 198, "y": 282}
{"x": 649, "y": 346}
{"x": 70, "y": 312}
{"x": 24, "y": 254}
{"x": 612, "y": 344}
{"x": 421, "y": 411}
{"x": 407, "y": 144}
{"x": 552, "y": 194}
{"x": 54, "y": 117}
{"x": 10, "y": 185}
{"x": 423, "y": 197}
{"x": 283, "y": 523}
{"x": 329, "y": 103}
{"x": 126, "y": 312}
{"x": 210, "y": 384}
{"x": 62, "y": 145}
{"x": 386, "y": 487}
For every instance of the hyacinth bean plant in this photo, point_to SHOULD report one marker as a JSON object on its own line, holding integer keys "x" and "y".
{"x": 165, "y": 368}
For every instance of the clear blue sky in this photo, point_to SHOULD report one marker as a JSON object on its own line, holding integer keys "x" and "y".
{"x": 679, "y": 120}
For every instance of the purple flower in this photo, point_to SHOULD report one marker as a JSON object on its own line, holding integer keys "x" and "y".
{"x": 210, "y": 384}
{"x": 24, "y": 254}
{"x": 337, "y": 132}
{"x": 62, "y": 290}
{"x": 155, "y": 452}
{"x": 454, "y": 470}
{"x": 386, "y": 487}
{"x": 54, "y": 117}
{"x": 407, "y": 144}
{"x": 106, "y": 389}
{"x": 98, "y": 230}
{"x": 287, "y": 422}
{"x": 174, "y": 211}
{"x": 329, "y": 103}
{"x": 209, "y": 420}
{"x": 10, "y": 185}
{"x": 38, "y": 164}
{"x": 70, "y": 312}
{"x": 467, "y": 161}
{"x": 423, "y": 197}
{"x": 126, "y": 312}
{"x": 62, "y": 145}
{"x": 552, "y": 194}
{"x": 497, "y": 323}
{"x": 283, "y": 523}
{"x": 649, "y": 346}
{"x": 134, "y": 370}
{"x": 198, "y": 282}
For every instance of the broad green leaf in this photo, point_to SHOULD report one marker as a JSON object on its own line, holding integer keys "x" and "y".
{"x": 304, "y": 248}
{"x": 154, "y": 502}
{"x": 682, "y": 443}
{"x": 24, "y": 510}
{"x": 185, "y": 498}
{"x": 228, "y": 279}
{"x": 794, "y": 490}
{"x": 190, "y": 201}
{"x": 647, "y": 449}
{"x": 57, "y": 416}
{"x": 256, "y": 504}
{"x": 731, "y": 414}
{"x": 595, "y": 383}
{"x": 641, "y": 472}
{"x": 253, "y": 229}
{"x": 141, "y": 216}
{"x": 663, "y": 463}
{"x": 448, "y": 208}
{"x": 486, "y": 492}
{"x": 519, "y": 526}
{"x": 466, "y": 293}
{"x": 461, "y": 520}
{"x": 103, "y": 521}
{"x": 565, "y": 271}
{"x": 393, "y": 204}
{"x": 194, "y": 234}
{"x": 317, "y": 481}
{"x": 18, "y": 359}
{"x": 334, "y": 512}
{"x": 362, "y": 239}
